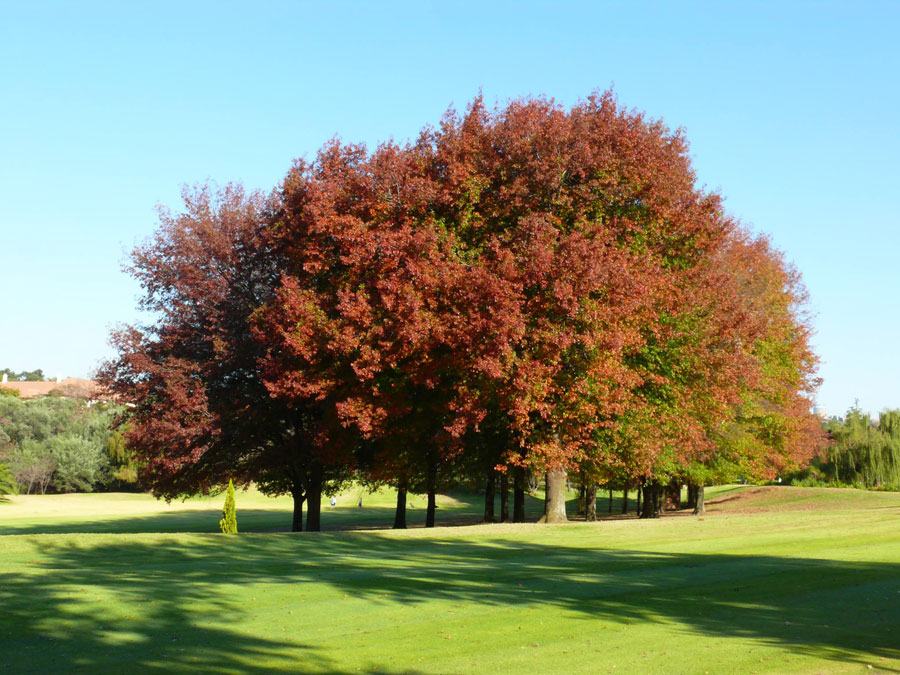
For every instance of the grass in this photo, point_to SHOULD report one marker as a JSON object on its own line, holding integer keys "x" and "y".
{"x": 773, "y": 580}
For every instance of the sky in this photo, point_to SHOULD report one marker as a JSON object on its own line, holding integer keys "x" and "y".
{"x": 792, "y": 110}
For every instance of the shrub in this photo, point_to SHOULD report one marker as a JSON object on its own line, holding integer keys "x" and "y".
{"x": 80, "y": 464}
{"x": 228, "y": 524}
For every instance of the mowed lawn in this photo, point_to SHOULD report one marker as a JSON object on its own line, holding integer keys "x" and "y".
{"x": 772, "y": 580}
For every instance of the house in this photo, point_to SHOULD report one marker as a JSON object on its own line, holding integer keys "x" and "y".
{"x": 70, "y": 386}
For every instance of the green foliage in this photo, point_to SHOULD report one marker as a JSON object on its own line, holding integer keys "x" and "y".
{"x": 24, "y": 376}
{"x": 7, "y": 482}
{"x": 865, "y": 453}
{"x": 228, "y": 524}
{"x": 32, "y": 465}
{"x": 8, "y": 392}
{"x": 122, "y": 463}
{"x": 57, "y": 442}
{"x": 79, "y": 467}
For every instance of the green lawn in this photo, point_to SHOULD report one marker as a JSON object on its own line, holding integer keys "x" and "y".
{"x": 778, "y": 580}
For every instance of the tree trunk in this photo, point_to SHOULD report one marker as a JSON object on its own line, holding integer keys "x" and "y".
{"x": 625, "y": 500}
{"x": 590, "y": 503}
{"x": 651, "y": 500}
{"x": 299, "y": 498}
{"x": 700, "y": 506}
{"x": 432, "y": 487}
{"x": 314, "y": 500}
{"x": 432, "y": 505}
{"x": 504, "y": 497}
{"x": 520, "y": 484}
{"x": 400, "y": 513}
{"x": 692, "y": 496}
{"x": 489, "y": 494}
{"x": 673, "y": 496}
{"x": 640, "y": 492}
{"x": 555, "y": 503}
{"x": 609, "y": 509}
{"x": 582, "y": 497}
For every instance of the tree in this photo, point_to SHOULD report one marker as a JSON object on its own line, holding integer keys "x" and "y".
{"x": 55, "y": 442}
{"x": 24, "y": 376}
{"x": 228, "y": 524}
{"x": 530, "y": 289}
{"x": 864, "y": 453}
{"x": 7, "y": 482}
{"x": 201, "y": 408}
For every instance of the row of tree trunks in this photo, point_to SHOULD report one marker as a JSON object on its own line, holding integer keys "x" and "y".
{"x": 490, "y": 494}
{"x": 625, "y": 500}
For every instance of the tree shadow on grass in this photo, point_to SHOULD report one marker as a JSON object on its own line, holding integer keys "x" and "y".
{"x": 467, "y": 510}
{"x": 136, "y": 605}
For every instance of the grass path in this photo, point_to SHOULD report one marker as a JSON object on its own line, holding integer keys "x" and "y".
{"x": 753, "y": 587}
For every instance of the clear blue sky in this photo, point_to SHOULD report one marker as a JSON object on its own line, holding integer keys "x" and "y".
{"x": 792, "y": 110}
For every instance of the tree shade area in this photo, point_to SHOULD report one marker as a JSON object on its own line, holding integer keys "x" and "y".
{"x": 529, "y": 291}
{"x": 807, "y": 584}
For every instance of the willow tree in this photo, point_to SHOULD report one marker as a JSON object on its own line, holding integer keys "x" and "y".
{"x": 865, "y": 453}
{"x": 7, "y": 482}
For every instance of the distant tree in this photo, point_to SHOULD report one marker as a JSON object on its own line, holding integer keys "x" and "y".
{"x": 122, "y": 463}
{"x": 228, "y": 524}
{"x": 7, "y": 482}
{"x": 41, "y": 435}
{"x": 32, "y": 464}
{"x": 24, "y": 376}
{"x": 79, "y": 465}
{"x": 865, "y": 452}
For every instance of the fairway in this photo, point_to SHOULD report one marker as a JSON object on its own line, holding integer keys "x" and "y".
{"x": 772, "y": 580}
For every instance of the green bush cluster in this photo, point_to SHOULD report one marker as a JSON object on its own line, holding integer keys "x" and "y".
{"x": 62, "y": 444}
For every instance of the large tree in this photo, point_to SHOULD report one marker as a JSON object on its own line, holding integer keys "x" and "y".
{"x": 200, "y": 412}
{"x": 529, "y": 288}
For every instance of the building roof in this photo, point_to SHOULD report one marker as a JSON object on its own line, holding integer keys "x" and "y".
{"x": 71, "y": 386}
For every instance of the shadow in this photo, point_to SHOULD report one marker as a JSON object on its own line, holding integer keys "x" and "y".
{"x": 466, "y": 508}
{"x": 226, "y": 604}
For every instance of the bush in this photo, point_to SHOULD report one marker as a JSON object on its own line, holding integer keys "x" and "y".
{"x": 80, "y": 464}
{"x": 228, "y": 524}
{"x": 32, "y": 466}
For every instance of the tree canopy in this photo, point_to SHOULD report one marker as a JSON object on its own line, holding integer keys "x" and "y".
{"x": 529, "y": 288}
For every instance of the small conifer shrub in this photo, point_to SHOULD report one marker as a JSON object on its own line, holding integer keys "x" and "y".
{"x": 228, "y": 524}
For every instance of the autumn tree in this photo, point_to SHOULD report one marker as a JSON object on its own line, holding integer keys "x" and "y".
{"x": 199, "y": 408}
